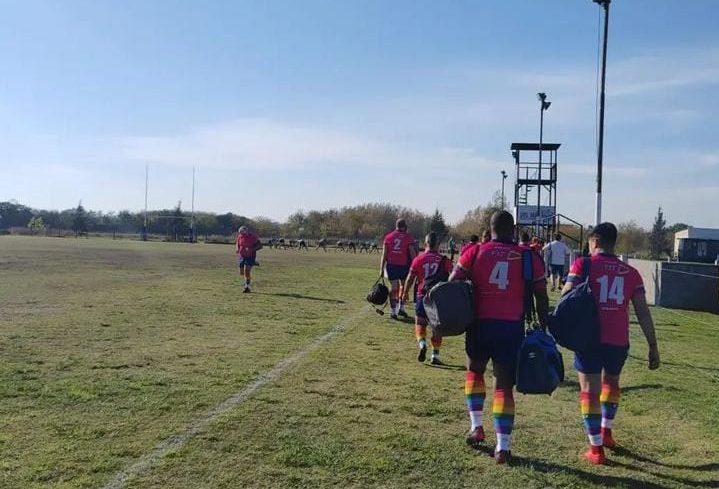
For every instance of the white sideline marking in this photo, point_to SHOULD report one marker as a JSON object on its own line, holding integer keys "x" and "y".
{"x": 198, "y": 425}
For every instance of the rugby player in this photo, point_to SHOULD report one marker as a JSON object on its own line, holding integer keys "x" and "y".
{"x": 398, "y": 251}
{"x": 473, "y": 240}
{"x": 424, "y": 266}
{"x": 246, "y": 248}
{"x": 613, "y": 284}
{"x": 495, "y": 269}
{"x": 556, "y": 252}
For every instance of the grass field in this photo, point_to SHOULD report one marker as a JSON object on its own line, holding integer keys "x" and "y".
{"x": 109, "y": 348}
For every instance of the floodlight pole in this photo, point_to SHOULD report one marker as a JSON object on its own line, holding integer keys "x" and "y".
{"x": 144, "y": 226}
{"x": 600, "y": 148}
{"x": 504, "y": 177}
{"x": 192, "y": 218}
{"x": 543, "y": 105}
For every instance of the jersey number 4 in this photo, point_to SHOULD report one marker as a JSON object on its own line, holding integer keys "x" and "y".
{"x": 500, "y": 275}
{"x": 615, "y": 291}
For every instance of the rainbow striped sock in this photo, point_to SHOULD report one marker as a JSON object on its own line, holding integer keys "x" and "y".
{"x": 420, "y": 332}
{"x": 592, "y": 415}
{"x": 610, "y": 403}
{"x": 474, "y": 393}
{"x": 503, "y": 412}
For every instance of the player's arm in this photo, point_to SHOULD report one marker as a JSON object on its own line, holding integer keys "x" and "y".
{"x": 408, "y": 284}
{"x": 257, "y": 246}
{"x": 237, "y": 245}
{"x": 574, "y": 276}
{"x": 461, "y": 269}
{"x": 644, "y": 316}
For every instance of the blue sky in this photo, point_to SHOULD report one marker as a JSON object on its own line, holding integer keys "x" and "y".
{"x": 284, "y": 105}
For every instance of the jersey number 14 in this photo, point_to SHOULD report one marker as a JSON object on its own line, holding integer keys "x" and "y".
{"x": 615, "y": 291}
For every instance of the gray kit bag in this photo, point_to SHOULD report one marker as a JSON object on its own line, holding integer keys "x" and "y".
{"x": 449, "y": 307}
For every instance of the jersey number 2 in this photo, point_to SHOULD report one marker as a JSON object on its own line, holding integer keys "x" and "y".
{"x": 397, "y": 244}
{"x": 616, "y": 291}
{"x": 500, "y": 275}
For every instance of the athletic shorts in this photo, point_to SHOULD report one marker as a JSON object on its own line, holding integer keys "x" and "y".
{"x": 557, "y": 270}
{"x": 608, "y": 357}
{"x": 246, "y": 261}
{"x": 494, "y": 339}
{"x": 397, "y": 272}
{"x": 419, "y": 308}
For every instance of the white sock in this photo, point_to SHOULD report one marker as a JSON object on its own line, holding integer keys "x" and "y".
{"x": 435, "y": 356}
{"x": 401, "y": 306}
{"x": 475, "y": 419}
{"x": 607, "y": 423}
{"x": 503, "y": 442}
{"x": 422, "y": 343}
{"x": 596, "y": 440}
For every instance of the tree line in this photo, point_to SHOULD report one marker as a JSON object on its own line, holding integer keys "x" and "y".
{"x": 361, "y": 222}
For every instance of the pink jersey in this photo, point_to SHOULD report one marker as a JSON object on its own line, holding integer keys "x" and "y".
{"x": 398, "y": 244}
{"x": 427, "y": 264}
{"x": 246, "y": 244}
{"x": 613, "y": 284}
{"x": 495, "y": 269}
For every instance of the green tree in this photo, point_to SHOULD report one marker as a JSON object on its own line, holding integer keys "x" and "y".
{"x": 79, "y": 220}
{"x": 632, "y": 238}
{"x": 36, "y": 225}
{"x": 437, "y": 224}
{"x": 658, "y": 242}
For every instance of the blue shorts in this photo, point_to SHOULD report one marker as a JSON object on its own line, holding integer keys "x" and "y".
{"x": 494, "y": 339}
{"x": 557, "y": 270}
{"x": 397, "y": 272}
{"x": 610, "y": 358}
{"x": 419, "y": 308}
{"x": 246, "y": 261}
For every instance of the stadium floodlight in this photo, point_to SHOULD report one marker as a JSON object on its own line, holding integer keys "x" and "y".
{"x": 543, "y": 105}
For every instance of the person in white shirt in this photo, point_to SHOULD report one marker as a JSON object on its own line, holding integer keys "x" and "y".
{"x": 556, "y": 251}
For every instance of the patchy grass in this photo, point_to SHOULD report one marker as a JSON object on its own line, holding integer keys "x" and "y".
{"x": 108, "y": 348}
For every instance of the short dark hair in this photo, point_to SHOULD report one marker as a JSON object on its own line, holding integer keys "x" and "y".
{"x": 502, "y": 223}
{"x": 558, "y": 237}
{"x": 431, "y": 239}
{"x": 524, "y": 237}
{"x": 606, "y": 233}
{"x": 474, "y": 238}
{"x": 400, "y": 224}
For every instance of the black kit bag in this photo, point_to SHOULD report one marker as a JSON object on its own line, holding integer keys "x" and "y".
{"x": 540, "y": 366}
{"x": 378, "y": 295}
{"x": 574, "y": 323}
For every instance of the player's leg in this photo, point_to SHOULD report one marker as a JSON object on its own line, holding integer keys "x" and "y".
{"x": 436, "y": 341}
{"x": 248, "y": 278}
{"x": 613, "y": 362}
{"x": 400, "y": 311}
{"x": 589, "y": 367}
{"x": 474, "y": 387}
{"x": 394, "y": 298}
{"x": 505, "y": 339}
{"x": 420, "y": 333}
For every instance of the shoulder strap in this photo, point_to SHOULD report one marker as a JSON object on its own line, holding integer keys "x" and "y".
{"x": 586, "y": 267}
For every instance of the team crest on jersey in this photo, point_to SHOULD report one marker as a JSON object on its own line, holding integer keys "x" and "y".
{"x": 514, "y": 255}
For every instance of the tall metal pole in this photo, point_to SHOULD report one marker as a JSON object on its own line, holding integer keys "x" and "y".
{"x": 539, "y": 172}
{"x": 192, "y": 218}
{"x": 504, "y": 177}
{"x": 144, "y": 227}
{"x": 600, "y": 149}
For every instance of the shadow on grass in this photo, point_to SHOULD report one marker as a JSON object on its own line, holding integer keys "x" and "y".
{"x": 446, "y": 366}
{"x": 574, "y": 385}
{"x": 675, "y": 364}
{"x": 299, "y": 296}
{"x": 625, "y": 452}
{"x": 673, "y": 478}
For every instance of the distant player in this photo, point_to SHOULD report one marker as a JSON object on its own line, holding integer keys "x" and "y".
{"x": 398, "y": 251}
{"x": 373, "y": 248}
{"x": 246, "y": 249}
{"x": 425, "y": 266}
{"x": 556, "y": 252}
{"x": 302, "y": 244}
{"x": 486, "y": 236}
{"x": 322, "y": 243}
{"x": 614, "y": 284}
{"x": 451, "y": 248}
{"x": 524, "y": 239}
{"x": 495, "y": 269}
{"x": 351, "y": 247}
